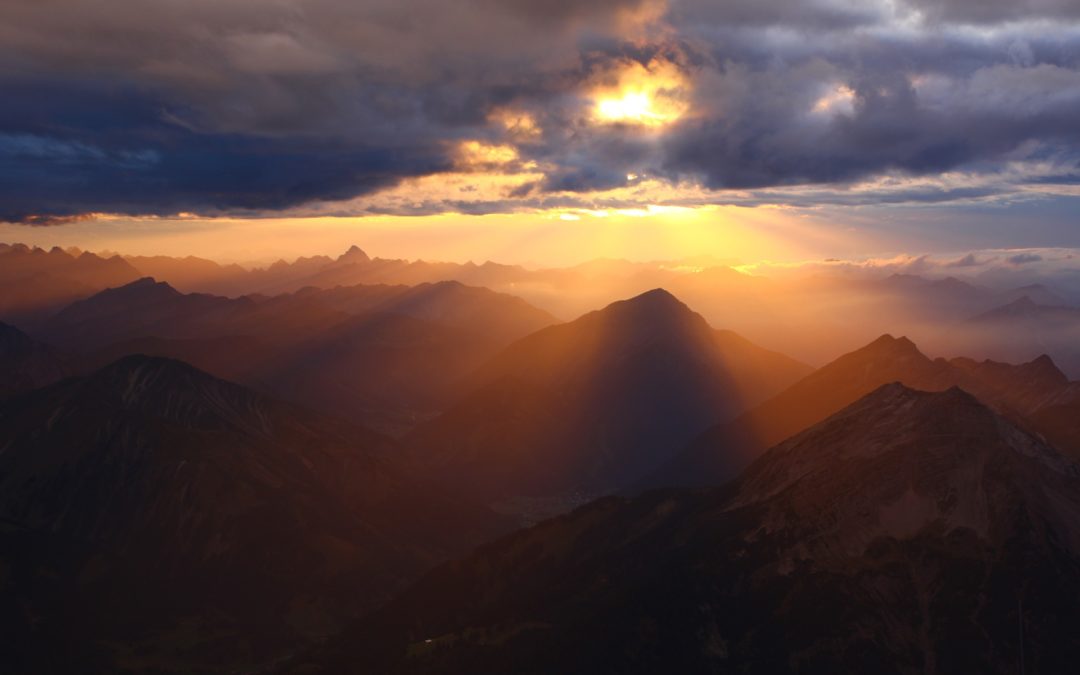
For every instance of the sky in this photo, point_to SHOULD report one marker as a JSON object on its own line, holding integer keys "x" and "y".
{"x": 541, "y": 130}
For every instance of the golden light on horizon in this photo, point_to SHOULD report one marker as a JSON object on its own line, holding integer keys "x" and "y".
{"x": 650, "y": 95}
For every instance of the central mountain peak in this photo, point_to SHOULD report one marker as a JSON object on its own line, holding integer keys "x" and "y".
{"x": 591, "y": 405}
{"x": 355, "y": 254}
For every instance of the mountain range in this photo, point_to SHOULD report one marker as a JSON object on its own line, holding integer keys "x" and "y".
{"x": 809, "y": 315}
{"x": 1027, "y": 393}
{"x": 314, "y": 477}
{"x": 909, "y": 532}
{"x": 221, "y": 528}
{"x": 386, "y": 355}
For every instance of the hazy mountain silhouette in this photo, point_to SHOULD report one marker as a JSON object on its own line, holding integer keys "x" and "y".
{"x": 149, "y": 308}
{"x": 386, "y": 355}
{"x": 590, "y": 405}
{"x": 1022, "y": 330}
{"x": 494, "y": 317}
{"x": 1037, "y": 293}
{"x": 192, "y": 274}
{"x": 721, "y": 452}
{"x": 36, "y": 282}
{"x": 911, "y": 532}
{"x": 25, "y": 363}
{"x": 202, "y": 516}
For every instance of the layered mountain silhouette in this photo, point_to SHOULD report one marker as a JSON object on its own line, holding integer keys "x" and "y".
{"x": 721, "y": 452}
{"x": 1022, "y": 329}
{"x": 492, "y": 317}
{"x": 591, "y": 405}
{"x": 910, "y": 532}
{"x": 155, "y": 515}
{"x": 387, "y": 355}
{"x": 150, "y": 308}
{"x": 37, "y": 282}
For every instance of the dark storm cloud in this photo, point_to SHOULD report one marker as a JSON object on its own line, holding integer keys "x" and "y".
{"x": 769, "y": 139}
{"x": 994, "y": 11}
{"x": 161, "y": 107}
{"x": 214, "y": 106}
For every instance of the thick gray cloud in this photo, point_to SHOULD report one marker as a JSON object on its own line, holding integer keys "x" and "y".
{"x": 994, "y": 11}
{"x": 211, "y": 106}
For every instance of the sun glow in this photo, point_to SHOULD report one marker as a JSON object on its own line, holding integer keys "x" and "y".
{"x": 633, "y": 106}
{"x": 647, "y": 95}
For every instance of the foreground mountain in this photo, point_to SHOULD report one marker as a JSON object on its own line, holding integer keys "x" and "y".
{"x": 25, "y": 363}
{"x": 911, "y": 532}
{"x": 591, "y": 405}
{"x": 724, "y": 450}
{"x": 219, "y": 527}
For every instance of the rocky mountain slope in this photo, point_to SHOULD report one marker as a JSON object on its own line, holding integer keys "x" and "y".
{"x": 220, "y": 528}
{"x": 910, "y": 532}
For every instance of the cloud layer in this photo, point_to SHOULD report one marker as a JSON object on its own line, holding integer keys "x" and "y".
{"x": 161, "y": 107}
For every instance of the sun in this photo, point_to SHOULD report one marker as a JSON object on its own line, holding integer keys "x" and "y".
{"x": 632, "y": 107}
{"x": 649, "y": 95}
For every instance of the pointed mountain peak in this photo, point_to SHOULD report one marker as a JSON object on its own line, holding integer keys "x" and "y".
{"x": 656, "y": 300}
{"x": 138, "y": 293}
{"x": 169, "y": 386}
{"x": 144, "y": 286}
{"x": 652, "y": 308}
{"x": 890, "y": 346}
{"x": 657, "y": 295}
{"x": 355, "y": 254}
{"x": 1044, "y": 367}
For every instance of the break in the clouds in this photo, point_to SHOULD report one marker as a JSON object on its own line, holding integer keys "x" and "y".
{"x": 160, "y": 107}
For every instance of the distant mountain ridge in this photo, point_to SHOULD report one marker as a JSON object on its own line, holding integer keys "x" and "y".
{"x": 36, "y": 282}
{"x": 387, "y": 355}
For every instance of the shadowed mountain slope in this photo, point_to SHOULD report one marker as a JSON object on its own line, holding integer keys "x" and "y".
{"x": 901, "y": 535}
{"x": 25, "y": 363}
{"x": 590, "y": 405}
{"x": 721, "y": 452}
{"x": 220, "y": 527}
